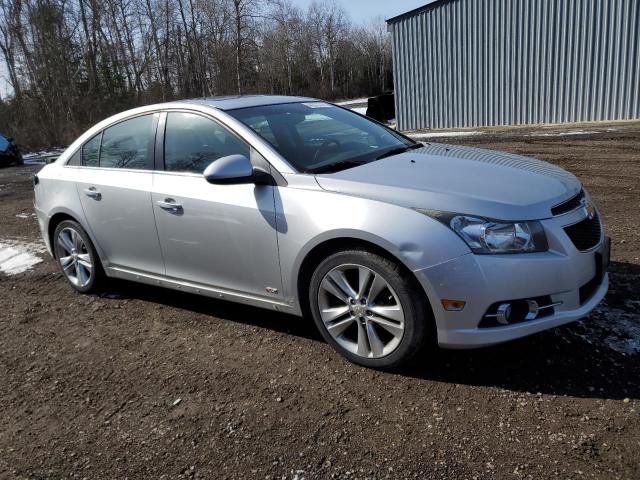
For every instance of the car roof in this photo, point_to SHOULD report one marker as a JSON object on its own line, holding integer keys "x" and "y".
{"x": 245, "y": 101}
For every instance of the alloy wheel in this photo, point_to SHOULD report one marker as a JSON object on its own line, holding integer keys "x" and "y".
{"x": 361, "y": 311}
{"x": 74, "y": 257}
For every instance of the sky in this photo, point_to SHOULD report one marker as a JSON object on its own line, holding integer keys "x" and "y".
{"x": 362, "y": 11}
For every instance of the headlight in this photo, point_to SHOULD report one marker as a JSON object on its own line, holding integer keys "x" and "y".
{"x": 494, "y": 236}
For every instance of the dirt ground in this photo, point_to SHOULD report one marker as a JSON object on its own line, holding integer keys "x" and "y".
{"x": 142, "y": 382}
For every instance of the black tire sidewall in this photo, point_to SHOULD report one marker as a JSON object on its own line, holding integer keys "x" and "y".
{"x": 95, "y": 260}
{"x": 412, "y": 301}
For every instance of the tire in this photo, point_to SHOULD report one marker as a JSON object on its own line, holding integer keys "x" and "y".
{"x": 77, "y": 257}
{"x": 372, "y": 332}
{"x": 19, "y": 160}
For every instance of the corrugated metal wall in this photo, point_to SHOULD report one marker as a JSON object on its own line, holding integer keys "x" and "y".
{"x": 469, "y": 63}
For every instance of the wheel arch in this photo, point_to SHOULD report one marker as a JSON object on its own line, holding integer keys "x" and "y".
{"x": 326, "y": 247}
{"x": 54, "y": 221}
{"x": 61, "y": 216}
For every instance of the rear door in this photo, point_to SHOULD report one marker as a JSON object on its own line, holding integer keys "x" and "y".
{"x": 114, "y": 185}
{"x": 221, "y": 236}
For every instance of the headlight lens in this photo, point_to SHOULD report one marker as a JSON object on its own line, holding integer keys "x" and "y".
{"x": 493, "y": 236}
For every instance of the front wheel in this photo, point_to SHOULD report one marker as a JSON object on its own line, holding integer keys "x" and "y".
{"x": 77, "y": 257}
{"x": 369, "y": 309}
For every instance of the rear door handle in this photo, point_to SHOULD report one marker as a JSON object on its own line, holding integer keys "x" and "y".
{"x": 92, "y": 192}
{"x": 170, "y": 205}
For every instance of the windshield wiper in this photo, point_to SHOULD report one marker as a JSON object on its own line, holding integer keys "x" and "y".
{"x": 397, "y": 150}
{"x": 344, "y": 164}
{"x": 337, "y": 166}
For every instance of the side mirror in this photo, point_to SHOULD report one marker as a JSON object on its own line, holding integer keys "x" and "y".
{"x": 234, "y": 170}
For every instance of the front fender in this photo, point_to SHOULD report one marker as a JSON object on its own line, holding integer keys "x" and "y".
{"x": 309, "y": 218}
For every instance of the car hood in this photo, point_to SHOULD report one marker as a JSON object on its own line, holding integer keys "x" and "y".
{"x": 458, "y": 179}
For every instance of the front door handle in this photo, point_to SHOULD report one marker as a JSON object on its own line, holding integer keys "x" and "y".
{"x": 92, "y": 192}
{"x": 170, "y": 205}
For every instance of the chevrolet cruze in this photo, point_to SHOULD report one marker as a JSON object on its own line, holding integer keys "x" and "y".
{"x": 304, "y": 207}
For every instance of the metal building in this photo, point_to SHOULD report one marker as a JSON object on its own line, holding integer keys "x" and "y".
{"x": 467, "y": 63}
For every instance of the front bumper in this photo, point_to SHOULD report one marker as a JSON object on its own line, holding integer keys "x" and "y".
{"x": 481, "y": 337}
{"x": 483, "y": 280}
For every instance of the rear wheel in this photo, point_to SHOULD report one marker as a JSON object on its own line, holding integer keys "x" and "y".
{"x": 77, "y": 257}
{"x": 19, "y": 159}
{"x": 368, "y": 309}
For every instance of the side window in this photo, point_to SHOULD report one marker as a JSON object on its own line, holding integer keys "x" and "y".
{"x": 75, "y": 159}
{"x": 126, "y": 144}
{"x": 91, "y": 151}
{"x": 192, "y": 142}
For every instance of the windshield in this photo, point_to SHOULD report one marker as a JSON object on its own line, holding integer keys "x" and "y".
{"x": 318, "y": 137}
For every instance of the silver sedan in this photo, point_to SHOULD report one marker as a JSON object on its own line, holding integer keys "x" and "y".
{"x": 301, "y": 206}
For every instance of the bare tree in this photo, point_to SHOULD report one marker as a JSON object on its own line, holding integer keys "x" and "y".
{"x": 71, "y": 62}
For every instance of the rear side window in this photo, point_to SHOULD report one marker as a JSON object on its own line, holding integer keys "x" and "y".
{"x": 91, "y": 151}
{"x": 75, "y": 159}
{"x": 126, "y": 145}
{"x": 192, "y": 142}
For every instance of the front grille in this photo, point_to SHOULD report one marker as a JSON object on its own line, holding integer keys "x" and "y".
{"x": 568, "y": 206}
{"x": 585, "y": 234}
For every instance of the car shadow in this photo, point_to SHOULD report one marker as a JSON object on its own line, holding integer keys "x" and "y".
{"x": 215, "y": 308}
{"x": 591, "y": 358}
{"x": 575, "y": 360}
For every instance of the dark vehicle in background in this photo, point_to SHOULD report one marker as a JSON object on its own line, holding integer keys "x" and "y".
{"x": 9, "y": 152}
{"x": 381, "y": 108}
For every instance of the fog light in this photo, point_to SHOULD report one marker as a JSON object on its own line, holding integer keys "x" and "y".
{"x": 503, "y": 313}
{"x": 533, "y": 310}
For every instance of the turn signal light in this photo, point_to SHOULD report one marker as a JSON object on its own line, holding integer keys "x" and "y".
{"x": 453, "y": 305}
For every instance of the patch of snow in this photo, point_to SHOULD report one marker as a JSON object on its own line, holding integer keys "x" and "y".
{"x": 43, "y": 157}
{"x": 355, "y": 101}
{"x": 622, "y": 331}
{"x": 25, "y": 215}
{"x": 421, "y": 136}
{"x": 360, "y": 110}
{"x": 17, "y": 256}
{"x": 613, "y": 328}
{"x": 564, "y": 133}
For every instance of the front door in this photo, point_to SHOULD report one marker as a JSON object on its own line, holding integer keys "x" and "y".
{"x": 223, "y": 236}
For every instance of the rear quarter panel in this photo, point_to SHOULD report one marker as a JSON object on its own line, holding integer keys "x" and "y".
{"x": 56, "y": 193}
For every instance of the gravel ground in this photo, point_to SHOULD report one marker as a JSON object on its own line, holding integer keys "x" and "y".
{"x": 142, "y": 382}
